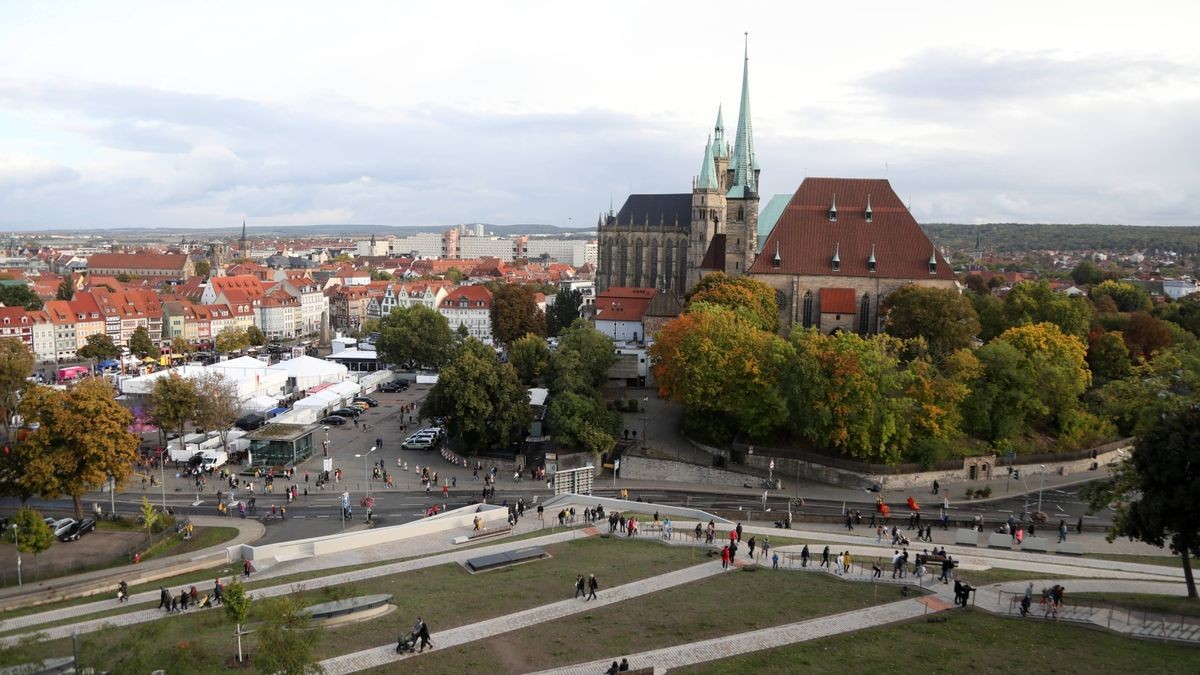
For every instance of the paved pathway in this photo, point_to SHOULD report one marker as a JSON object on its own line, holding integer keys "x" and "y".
{"x": 383, "y": 655}
{"x": 678, "y": 656}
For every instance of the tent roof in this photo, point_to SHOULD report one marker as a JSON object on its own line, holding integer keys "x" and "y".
{"x": 308, "y": 365}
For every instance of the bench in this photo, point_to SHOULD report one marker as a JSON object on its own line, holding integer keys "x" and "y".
{"x": 999, "y": 540}
{"x": 482, "y": 534}
{"x": 1070, "y": 548}
{"x": 1036, "y": 545}
{"x": 965, "y": 537}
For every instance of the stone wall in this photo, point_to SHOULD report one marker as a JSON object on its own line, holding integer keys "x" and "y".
{"x": 644, "y": 468}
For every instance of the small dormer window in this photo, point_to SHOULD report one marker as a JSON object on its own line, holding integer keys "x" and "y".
{"x": 933, "y": 263}
{"x": 837, "y": 258}
{"x": 871, "y": 260}
{"x": 833, "y": 209}
{"x": 776, "y": 261}
{"x": 869, "y": 213}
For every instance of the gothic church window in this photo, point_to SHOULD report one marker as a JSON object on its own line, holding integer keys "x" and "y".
{"x": 864, "y": 315}
{"x": 808, "y": 309}
{"x": 622, "y": 262}
{"x": 681, "y": 268}
{"x": 653, "y": 277}
{"x": 637, "y": 262}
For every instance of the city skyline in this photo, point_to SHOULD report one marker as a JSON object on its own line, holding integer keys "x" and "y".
{"x": 149, "y": 115}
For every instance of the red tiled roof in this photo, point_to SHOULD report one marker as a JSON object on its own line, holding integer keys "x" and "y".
{"x": 622, "y": 303}
{"x": 837, "y": 301}
{"x": 807, "y": 239}
{"x": 136, "y": 261}
{"x": 478, "y": 297}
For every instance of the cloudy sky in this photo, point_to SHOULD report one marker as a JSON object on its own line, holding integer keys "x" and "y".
{"x": 174, "y": 114}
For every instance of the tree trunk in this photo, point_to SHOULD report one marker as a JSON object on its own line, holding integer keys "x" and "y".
{"x": 77, "y": 500}
{"x": 239, "y": 637}
{"x": 1187, "y": 573}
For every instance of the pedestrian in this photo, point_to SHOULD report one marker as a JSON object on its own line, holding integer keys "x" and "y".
{"x": 775, "y": 561}
{"x": 593, "y": 586}
{"x": 183, "y": 600}
{"x": 766, "y": 546}
{"x": 246, "y": 568}
{"x": 739, "y": 531}
{"x": 164, "y": 598}
{"x": 935, "y": 486}
{"x": 579, "y": 586}
{"x": 825, "y": 557}
{"x": 751, "y": 544}
{"x": 1062, "y": 531}
{"x": 1079, "y": 526}
{"x": 725, "y": 558}
{"x": 218, "y": 592}
{"x": 876, "y": 570}
{"x": 423, "y": 634}
{"x": 804, "y": 556}
{"x": 849, "y": 522}
{"x": 283, "y": 513}
{"x": 445, "y": 491}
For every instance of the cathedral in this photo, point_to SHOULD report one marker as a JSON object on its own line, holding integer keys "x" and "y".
{"x": 667, "y": 241}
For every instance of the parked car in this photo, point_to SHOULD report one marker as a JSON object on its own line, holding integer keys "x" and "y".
{"x": 366, "y": 399}
{"x": 62, "y": 525}
{"x": 78, "y": 529}
{"x": 347, "y": 412}
{"x": 393, "y": 386}
{"x": 419, "y": 443}
{"x": 334, "y": 420}
{"x": 358, "y": 405}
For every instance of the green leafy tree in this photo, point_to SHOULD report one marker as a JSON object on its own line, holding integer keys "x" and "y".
{"x": 381, "y": 275}
{"x": 1000, "y": 401}
{"x": 33, "y": 535}
{"x": 66, "y": 288}
{"x": 1184, "y": 312}
{"x": 515, "y": 313}
{"x": 976, "y": 284}
{"x": 236, "y": 602}
{"x": 149, "y": 516}
{"x": 740, "y": 294}
{"x": 217, "y": 404}
{"x": 1155, "y": 493}
{"x": 482, "y": 400}
{"x": 203, "y": 267}
{"x": 231, "y": 339}
{"x": 1087, "y": 273}
{"x": 943, "y": 317}
{"x": 415, "y": 336}
{"x": 529, "y": 355}
{"x": 255, "y": 337}
{"x": 179, "y": 345}
{"x": 595, "y": 350}
{"x": 1032, "y": 302}
{"x": 580, "y": 421}
{"x": 286, "y": 639}
{"x": 724, "y": 369}
{"x": 99, "y": 348}
{"x": 1164, "y": 385}
{"x": 1126, "y": 296}
{"x": 124, "y": 277}
{"x": 172, "y": 402}
{"x": 83, "y": 439}
{"x": 1108, "y": 357}
{"x": 19, "y": 295}
{"x": 454, "y": 275}
{"x": 1059, "y": 363}
{"x": 140, "y": 344}
{"x": 371, "y": 325}
{"x": 16, "y": 364}
{"x": 563, "y": 312}
{"x": 1145, "y": 335}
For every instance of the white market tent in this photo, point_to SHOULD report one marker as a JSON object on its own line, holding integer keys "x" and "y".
{"x": 329, "y": 398}
{"x": 249, "y": 381}
{"x": 306, "y": 372}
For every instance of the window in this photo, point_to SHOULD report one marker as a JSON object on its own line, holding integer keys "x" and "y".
{"x": 808, "y": 309}
{"x": 837, "y": 265}
{"x": 864, "y": 314}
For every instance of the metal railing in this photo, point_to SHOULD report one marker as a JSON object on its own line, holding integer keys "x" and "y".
{"x": 1139, "y": 623}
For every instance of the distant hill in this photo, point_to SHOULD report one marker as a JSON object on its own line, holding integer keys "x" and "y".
{"x": 300, "y": 231}
{"x": 1017, "y": 237}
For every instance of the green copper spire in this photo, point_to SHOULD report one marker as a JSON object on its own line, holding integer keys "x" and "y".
{"x": 743, "y": 143}
{"x": 708, "y": 172}
{"x": 718, "y": 141}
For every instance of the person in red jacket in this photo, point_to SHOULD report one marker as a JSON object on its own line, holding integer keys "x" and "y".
{"x": 725, "y": 558}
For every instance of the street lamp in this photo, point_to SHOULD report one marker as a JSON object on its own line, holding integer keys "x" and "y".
{"x": 162, "y": 474}
{"x": 325, "y": 448}
{"x": 1041, "y": 486}
{"x": 645, "y": 404}
{"x": 366, "y": 478}
{"x": 17, "y": 542}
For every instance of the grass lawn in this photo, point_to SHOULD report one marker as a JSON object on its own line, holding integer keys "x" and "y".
{"x": 1163, "y": 560}
{"x": 1144, "y": 602}
{"x": 996, "y": 575}
{"x": 202, "y": 538}
{"x": 969, "y": 640}
{"x": 729, "y": 603}
{"x": 445, "y": 596}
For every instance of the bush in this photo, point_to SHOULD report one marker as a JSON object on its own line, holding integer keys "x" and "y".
{"x": 987, "y": 491}
{"x": 970, "y": 493}
{"x": 632, "y": 405}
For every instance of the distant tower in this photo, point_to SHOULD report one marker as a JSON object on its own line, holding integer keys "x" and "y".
{"x": 242, "y": 244}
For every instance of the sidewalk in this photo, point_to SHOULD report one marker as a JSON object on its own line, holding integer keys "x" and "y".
{"x": 105, "y": 581}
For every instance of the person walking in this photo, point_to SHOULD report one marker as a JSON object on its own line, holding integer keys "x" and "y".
{"x": 423, "y": 635}
{"x": 1062, "y": 531}
{"x": 849, "y": 522}
{"x": 725, "y": 558}
{"x": 751, "y": 544}
{"x": 775, "y": 561}
{"x": 935, "y": 486}
{"x": 593, "y": 585}
{"x": 876, "y": 570}
{"x": 164, "y": 598}
{"x": 825, "y": 557}
{"x": 246, "y": 568}
{"x": 579, "y": 585}
{"x": 804, "y": 556}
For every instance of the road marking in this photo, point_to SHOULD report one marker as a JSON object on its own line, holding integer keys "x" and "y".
{"x": 324, "y": 516}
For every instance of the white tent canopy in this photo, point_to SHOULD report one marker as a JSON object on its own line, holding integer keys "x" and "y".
{"x": 306, "y": 372}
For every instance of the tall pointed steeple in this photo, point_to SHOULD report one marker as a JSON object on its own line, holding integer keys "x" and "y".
{"x": 708, "y": 172}
{"x": 242, "y": 243}
{"x": 743, "y": 143}
{"x": 718, "y": 142}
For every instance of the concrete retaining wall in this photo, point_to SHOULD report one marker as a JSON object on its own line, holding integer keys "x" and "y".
{"x": 644, "y": 468}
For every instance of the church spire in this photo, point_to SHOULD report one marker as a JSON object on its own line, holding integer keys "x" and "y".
{"x": 242, "y": 244}
{"x": 743, "y": 144}
{"x": 720, "y": 150}
{"x": 708, "y": 172}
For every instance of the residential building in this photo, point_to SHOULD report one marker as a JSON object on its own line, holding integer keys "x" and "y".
{"x": 280, "y": 315}
{"x": 161, "y": 266}
{"x": 469, "y": 306}
{"x": 347, "y": 306}
{"x": 620, "y": 310}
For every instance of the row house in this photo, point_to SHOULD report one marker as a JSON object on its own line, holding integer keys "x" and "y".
{"x": 245, "y": 286}
{"x": 279, "y": 315}
{"x": 469, "y": 306}
{"x": 44, "y": 345}
{"x": 33, "y": 328}
{"x": 347, "y": 306}
{"x": 15, "y": 322}
{"x": 375, "y": 292}
{"x": 89, "y": 319}
{"x": 220, "y": 317}
{"x": 125, "y": 312}
{"x": 314, "y": 306}
{"x": 63, "y": 320}
{"x": 403, "y": 295}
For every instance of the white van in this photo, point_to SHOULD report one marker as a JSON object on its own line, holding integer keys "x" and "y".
{"x": 418, "y": 443}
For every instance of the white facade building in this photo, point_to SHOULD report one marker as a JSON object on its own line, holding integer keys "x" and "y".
{"x": 487, "y": 247}
{"x": 573, "y": 252}
{"x": 469, "y": 306}
{"x": 423, "y": 244}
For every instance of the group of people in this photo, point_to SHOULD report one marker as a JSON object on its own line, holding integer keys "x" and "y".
{"x": 189, "y": 597}
{"x": 615, "y": 668}
{"x": 586, "y": 587}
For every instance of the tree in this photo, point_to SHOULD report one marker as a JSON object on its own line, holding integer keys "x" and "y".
{"x": 33, "y": 534}
{"x": 381, "y": 275}
{"x": 515, "y": 313}
{"x": 482, "y": 400}
{"x": 371, "y": 325}
{"x": 231, "y": 339}
{"x": 203, "y": 267}
{"x": 529, "y": 355}
{"x": 16, "y": 364}
{"x": 1000, "y": 400}
{"x": 19, "y": 295}
{"x": 739, "y": 294}
{"x": 414, "y": 337}
{"x": 149, "y": 515}
{"x": 99, "y": 348}
{"x": 217, "y": 405}
{"x": 975, "y": 283}
{"x": 563, "y": 312}
{"x": 1155, "y": 493}
{"x": 83, "y": 439}
{"x": 1145, "y": 335}
{"x": 1128, "y": 297}
{"x": 66, "y": 288}
{"x": 255, "y": 337}
{"x": 580, "y": 421}
{"x": 1031, "y": 302}
{"x": 172, "y": 402}
{"x": 140, "y": 344}
{"x": 1163, "y": 385}
{"x": 1087, "y": 273}
{"x": 1183, "y": 312}
{"x": 1108, "y": 357}
{"x": 237, "y": 609}
{"x": 725, "y": 369}
{"x": 943, "y": 317}
{"x": 454, "y": 275}
{"x": 595, "y": 350}
{"x": 179, "y": 345}
{"x": 286, "y": 639}
{"x": 1060, "y": 369}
